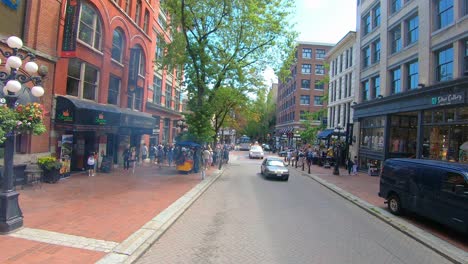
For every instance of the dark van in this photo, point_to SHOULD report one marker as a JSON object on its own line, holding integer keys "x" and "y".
{"x": 435, "y": 189}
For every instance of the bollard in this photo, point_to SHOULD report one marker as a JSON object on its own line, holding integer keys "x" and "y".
{"x": 303, "y": 165}
{"x": 308, "y": 163}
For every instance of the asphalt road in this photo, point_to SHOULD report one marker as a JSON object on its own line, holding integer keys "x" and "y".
{"x": 243, "y": 218}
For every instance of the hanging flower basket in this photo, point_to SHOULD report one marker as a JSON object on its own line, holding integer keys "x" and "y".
{"x": 22, "y": 119}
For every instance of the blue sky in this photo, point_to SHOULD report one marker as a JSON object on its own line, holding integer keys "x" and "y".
{"x": 325, "y": 21}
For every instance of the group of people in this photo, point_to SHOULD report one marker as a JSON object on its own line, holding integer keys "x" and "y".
{"x": 157, "y": 154}
{"x": 308, "y": 153}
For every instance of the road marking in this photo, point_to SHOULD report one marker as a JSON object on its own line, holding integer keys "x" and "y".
{"x": 64, "y": 239}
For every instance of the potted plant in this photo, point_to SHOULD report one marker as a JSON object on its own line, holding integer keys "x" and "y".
{"x": 51, "y": 167}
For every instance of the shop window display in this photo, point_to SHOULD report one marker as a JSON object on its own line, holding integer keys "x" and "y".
{"x": 403, "y": 135}
{"x": 372, "y": 133}
{"x": 449, "y": 143}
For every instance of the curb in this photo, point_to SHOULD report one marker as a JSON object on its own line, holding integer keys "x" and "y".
{"x": 443, "y": 248}
{"x": 132, "y": 248}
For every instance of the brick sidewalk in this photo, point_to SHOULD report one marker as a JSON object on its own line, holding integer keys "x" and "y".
{"x": 106, "y": 208}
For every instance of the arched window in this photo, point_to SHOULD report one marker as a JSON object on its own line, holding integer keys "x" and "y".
{"x": 138, "y": 12}
{"x": 117, "y": 45}
{"x": 90, "y": 30}
{"x": 146, "y": 22}
{"x": 142, "y": 64}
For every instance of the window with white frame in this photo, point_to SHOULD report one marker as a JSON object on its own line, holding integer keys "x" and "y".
{"x": 366, "y": 24}
{"x": 366, "y": 57}
{"x": 90, "y": 28}
{"x": 412, "y": 24}
{"x": 444, "y": 15}
{"x": 376, "y": 49}
{"x": 168, "y": 95}
{"x": 365, "y": 90}
{"x": 127, "y": 6}
{"x": 318, "y": 85}
{"x": 395, "y": 38}
{"x": 395, "y": 80}
{"x": 82, "y": 80}
{"x": 159, "y": 47}
{"x": 376, "y": 16}
{"x": 444, "y": 64}
{"x": 395, "y": 6}
{"x": 320, "y": 54}
{"x": 138, "y": 99}
{"x": 307, "y": 53}
{"x": 376, "y": 85}
{"x": 117, "y": 45}
{"x": 305, "y": 84}
{"x": 114, "y": 90}
{"x": 305, "y": 99}
{"x": 413, "y": 74}
{"x": 157, "y": 90}
{"x": 319, "y": 69}
{"x": 138, "y": 12}
{"x": 142, "y": 64}
{"x": 306, "y": 69}
{"x": 318, "y": 100}
{"x": 146, "y": 22}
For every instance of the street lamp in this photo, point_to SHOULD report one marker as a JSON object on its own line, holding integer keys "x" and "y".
{"x": 182, "y": 126}
{"x": 12, "y": 81}
{"x": 338, "y": 131}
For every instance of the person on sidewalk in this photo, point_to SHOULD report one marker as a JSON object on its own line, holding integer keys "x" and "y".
{"x": 170, "y": 155}
{"x": 205, "y": 162}
{"x": 144, "y": 153}
{"x": 349, "y": 164}
{"x": 126, "y": 158}
{"x": 91, "y": 162}
{"x": 355, "y": 165}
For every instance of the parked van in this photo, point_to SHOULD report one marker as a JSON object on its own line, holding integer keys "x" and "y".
{"x": 435, "y": 189}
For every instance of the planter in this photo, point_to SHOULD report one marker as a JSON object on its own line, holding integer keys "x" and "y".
{"x": 51, "y": 176}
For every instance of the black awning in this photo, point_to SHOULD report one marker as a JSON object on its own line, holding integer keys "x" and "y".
{"x": 325, "y": 134}
{"x": 71, "y": 110}
{"x": 137, "y": 122}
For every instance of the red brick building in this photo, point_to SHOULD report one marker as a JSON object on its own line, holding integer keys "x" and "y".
{"x": 303, "y": 92}
{"x": 103, "y": 91}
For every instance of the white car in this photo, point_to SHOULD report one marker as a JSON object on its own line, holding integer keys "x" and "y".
{"x": 256, "y": 152}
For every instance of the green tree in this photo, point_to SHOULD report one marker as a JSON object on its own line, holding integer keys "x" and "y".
{"x": 225, "y": 43}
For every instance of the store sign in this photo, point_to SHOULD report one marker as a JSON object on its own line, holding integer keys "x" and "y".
{"x": 100, "y": 120}
{"x": 65, "y": 116}
{"x": 456, "y": 98}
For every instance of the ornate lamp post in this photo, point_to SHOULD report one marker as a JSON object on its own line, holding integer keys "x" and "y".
{"x": 337, "y": 149}
{"x": 182, "y": 126}
{"x": 11, "y": 216}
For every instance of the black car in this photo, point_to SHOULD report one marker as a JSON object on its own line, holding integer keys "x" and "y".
{"x": 273, "y": 167}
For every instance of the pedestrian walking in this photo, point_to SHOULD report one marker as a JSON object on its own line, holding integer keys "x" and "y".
{"x": 133, "y": 159}
{"x": 144, "y": 152}
{"x": 355, "y": 165}
{"x": 170, "y": 155}
{"x": 205, "y": 162}
{"x": 350, "y": 165}
{"x": 91, "y": 163}
{"x": 126, "y": 158}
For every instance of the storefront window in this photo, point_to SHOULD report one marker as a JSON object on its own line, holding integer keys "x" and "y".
{"x": 438, "y": 116}
{"x": 372, "y": 133}
{"x": 449, "y": 143}
{"x": 403, "y": 133}
{"x": 463, "y": 114}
